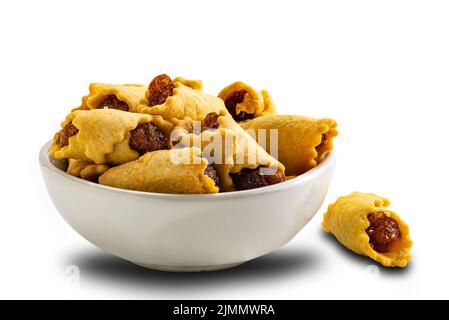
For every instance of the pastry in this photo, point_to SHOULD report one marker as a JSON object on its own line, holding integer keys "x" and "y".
{"x": 181, "y": 170}
{"x": 178, "y": 99}
{"x": 86, "y": 170}
{"x": 301, "y": 143}
{"x": 240, "y": 162}
{"x": 107, "y": 136}
{"x": 244, "y": 103}
{"x": 363, "y": 223}
{"x": 124, "y": 97}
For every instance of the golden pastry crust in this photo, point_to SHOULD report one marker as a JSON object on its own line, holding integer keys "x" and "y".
{"x": 165, "y": 171}
{"x": 131, "y": 94}
{"x": 104, "y": 135}
{"x": 347, "y": 220}
{"x": 187, "y": 101}
{"x": 269, "y": 106}
{"x": 254, "y": 103}
{"x": 86, "y": 170}
{"x": 300, "y": 139}
{"x": 194, "y": 84}
{"x": 230, "y": 148}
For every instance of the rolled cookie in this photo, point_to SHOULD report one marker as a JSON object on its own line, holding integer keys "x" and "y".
{"x": 107, "y": 136}
{"x": 125, "y": 97}
{"x": 86, "y": 170}
{"x": 244, "y": 103}
{"x": 240, "y": 162}
{"x": 178, "y": 99}
{"x": 166, "y": 171}
{"x": 301, "y": 142}
{"x": 363, "y": 223}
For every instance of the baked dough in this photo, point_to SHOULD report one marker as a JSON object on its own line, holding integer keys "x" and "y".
{"x": 104, "y": 135}
{"x": 165, "y": 171}
{"x": 301, "y": 145}
{"x": 131, "y": 94}
{"x": 229, "y": 147}
{"x": 86, "y": 170}
{"x": 194, "y": 84}
{"x": 254, "y": 103}
{"x": 347, "y": 220}
{"x": 187, "y": 101}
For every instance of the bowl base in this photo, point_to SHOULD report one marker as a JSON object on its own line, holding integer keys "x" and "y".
{"x": 190, "y": 268}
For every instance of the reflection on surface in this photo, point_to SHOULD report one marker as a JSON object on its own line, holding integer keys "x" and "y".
{"x": 96, "y": 265}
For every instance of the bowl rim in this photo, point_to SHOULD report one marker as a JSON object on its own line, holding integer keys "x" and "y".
{"x": 44, "y": 161}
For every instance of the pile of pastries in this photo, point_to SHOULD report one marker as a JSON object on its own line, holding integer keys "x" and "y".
{"x": 158, "y": 138}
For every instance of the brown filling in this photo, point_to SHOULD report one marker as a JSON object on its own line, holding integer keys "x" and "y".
{"x": 255, "y": 178}
{"x": 112, "y": 102}
{"x": 319, "y": 148}
{"x": 382, "y": 232}
{"x": 231, "y": 103}
{"x": 146, "y": 138}
{"x": 160, "y": 88}
{"x": 324, "y": 140}
{"x": 211, "y": 173}
{"x": 210, "y": 121}
{"x": 68, "y": 131}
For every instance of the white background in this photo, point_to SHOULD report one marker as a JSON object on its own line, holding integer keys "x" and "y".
{"x": 380, "y": 68}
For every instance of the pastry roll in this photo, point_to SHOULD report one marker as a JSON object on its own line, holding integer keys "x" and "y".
{"x": 364, "y": 224}
{"x": 239, "y": 161}
{"x": 179, "y": 98}
{"x": 301, "y": 142}
{"x": 166, "y": 171}
{"x": 86, "y": 170}
{"x": 124, "y": 97}
{"x": 244, "y": 103}
{"x": 107, "y": 136}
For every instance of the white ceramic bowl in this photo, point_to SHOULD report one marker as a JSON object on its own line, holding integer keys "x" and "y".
{"x": 187, "y": 232}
